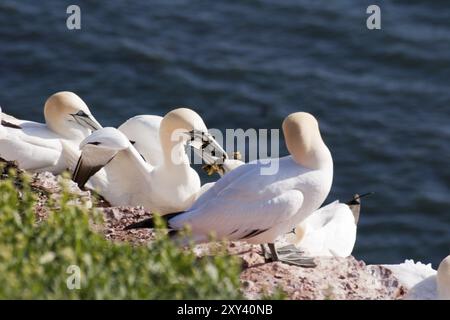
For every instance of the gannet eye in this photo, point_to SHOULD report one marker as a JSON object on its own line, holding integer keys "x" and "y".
{"x": 81, "y": 114}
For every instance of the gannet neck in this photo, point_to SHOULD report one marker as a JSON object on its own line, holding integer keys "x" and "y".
{"x": 304, "y": 142}
{"x": 59, "y": 111}
{"x": 443, "y": 279}
{"x": 173, "y": 135}
{"x": 143, "y": 132}
{"x": 143, "y": 166}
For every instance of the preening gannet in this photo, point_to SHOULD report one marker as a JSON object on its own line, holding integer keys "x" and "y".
{"x": 130, "y": 180}
{"x": 40, "y": 147}
{"x": 245, "y": 205}
{"x": 329, "y": 231}
{"x": 422, "y": 281}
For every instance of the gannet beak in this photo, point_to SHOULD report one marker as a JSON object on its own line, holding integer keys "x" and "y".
{"x": 87, "y": 121}
{"x": 206, "y": 147}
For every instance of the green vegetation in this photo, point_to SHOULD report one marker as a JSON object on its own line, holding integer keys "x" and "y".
{"x": 35, "y": 258}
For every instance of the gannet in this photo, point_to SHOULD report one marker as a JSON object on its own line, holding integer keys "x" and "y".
{"x": 422, "y": 281}
{"x": 130, "y": 180}
{"x": 329, "y": 231}
{"x": 38, "y": 147}
{"x": 246, "y": 205}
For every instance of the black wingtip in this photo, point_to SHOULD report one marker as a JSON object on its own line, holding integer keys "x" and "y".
{"x": 10, "y": 125}
{"x": 82, "y": 174}
{"x": 356, "y": 198}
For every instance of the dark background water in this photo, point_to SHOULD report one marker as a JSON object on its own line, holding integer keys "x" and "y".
{"x": 382, "y": 97}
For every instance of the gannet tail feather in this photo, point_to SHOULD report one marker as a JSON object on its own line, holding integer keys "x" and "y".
{"x": 355, "y": 205}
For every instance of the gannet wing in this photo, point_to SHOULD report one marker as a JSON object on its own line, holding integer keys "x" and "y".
{"x": 32, "y": 147}
{"x": 241, "y": 205}
{"x": 92, "y": 159}
{"x": 240, "y": 221}
{"x": 6, "y": 118}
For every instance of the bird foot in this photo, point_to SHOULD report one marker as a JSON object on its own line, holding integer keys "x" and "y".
{"x": 289, "y": 254}
{"x": 266, "y": 254}
{"x": 290, "y": 248}
{"x": 297, "y": 260}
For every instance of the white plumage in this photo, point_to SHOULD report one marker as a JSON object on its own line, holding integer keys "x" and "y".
{"x": 143, "y": 132}
{"x": 38, "y": 147}
{"x": 246, "y": 205}
{"x": 422, "y": 281}
{"x": 244, "y": 202}
{"x": 329, "y": 231}
{"x": 127, "y": 179}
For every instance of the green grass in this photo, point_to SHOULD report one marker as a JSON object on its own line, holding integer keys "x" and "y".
{"x": 35, "y": 257}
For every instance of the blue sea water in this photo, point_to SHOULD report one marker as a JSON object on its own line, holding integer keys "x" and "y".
{"x": 382, "y": 96}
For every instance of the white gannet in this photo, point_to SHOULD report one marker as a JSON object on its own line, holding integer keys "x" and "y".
{"x": 246, "y": 205}
{"x": 40, "y": 147}
{"x": 143, "y": 133}
{"x": 422, "y": 281}
{"x": 130, "y": 180}
{"x": 329, "y": 231}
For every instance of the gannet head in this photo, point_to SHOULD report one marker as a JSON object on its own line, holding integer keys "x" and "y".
{"x": 107, "y": 138}
{"x": 443, "y": 279}
{"x": 182, "y": 119}
{"x": 97, "y": 150}
{"x": 303, "y": 140}
{"x": 183, "y": 125}
{"x": 67, "y": 115}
